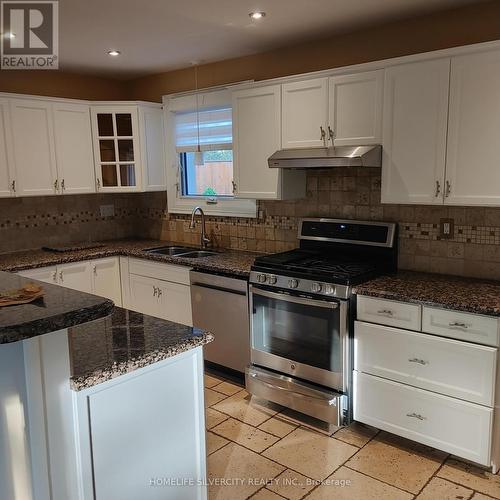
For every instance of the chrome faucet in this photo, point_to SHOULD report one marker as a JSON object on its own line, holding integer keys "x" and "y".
{"x": 204, "y": 240}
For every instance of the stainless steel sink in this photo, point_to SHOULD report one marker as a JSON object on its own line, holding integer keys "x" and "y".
{"x": 170, "y": 250}
{"x": 197, "y": 254}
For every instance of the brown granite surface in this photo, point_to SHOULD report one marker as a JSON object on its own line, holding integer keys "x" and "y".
{"x": 231, "y": 262}
{"x": 123, "y": 342}
{"x": 448, "y": 292}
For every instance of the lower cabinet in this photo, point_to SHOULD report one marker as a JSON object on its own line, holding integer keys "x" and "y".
{"x": 106, "y": 279}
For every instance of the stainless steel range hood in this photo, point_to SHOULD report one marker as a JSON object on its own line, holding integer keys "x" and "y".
{"x": 341, "y": 156}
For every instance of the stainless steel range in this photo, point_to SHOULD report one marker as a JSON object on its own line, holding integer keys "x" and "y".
{"x": 302, "y": 314}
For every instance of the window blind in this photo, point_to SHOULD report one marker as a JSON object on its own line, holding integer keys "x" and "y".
{"x": 216, "y": 130}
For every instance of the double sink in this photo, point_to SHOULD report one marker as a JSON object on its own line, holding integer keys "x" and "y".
{"x": 176, "y": 251}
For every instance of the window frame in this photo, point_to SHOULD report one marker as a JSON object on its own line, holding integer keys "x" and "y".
{"x": 222, "y": 206}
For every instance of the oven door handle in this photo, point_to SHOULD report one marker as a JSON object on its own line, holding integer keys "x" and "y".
{"x": 296, "y": 300}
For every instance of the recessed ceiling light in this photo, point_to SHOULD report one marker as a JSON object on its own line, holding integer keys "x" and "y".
{"x": 114, "y": 53}
{"x": 257, "y": 15}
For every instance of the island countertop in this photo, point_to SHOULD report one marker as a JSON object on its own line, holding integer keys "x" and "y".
{"x": 124, "y": 342}
{"x": 58, "y": 309}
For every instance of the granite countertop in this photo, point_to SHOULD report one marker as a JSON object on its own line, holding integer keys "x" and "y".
{"x": 448, "y": 292}
{"x": 227, "y": 261}
{"x": 59, "y": 308}
{"x": 123, "y": 342}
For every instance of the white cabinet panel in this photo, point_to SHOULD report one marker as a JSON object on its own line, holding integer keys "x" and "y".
{"x": 161, "y": 271}
{"x": 144, "y": 295}
{"x": 73, "y": 141}
{"x": 256, "y": 136}
{"x": 175, "y": 303}
{"x": 152, "y": 149}
{"x": 449, "y": 367}
{"x": 76, "y": 276}
{"x": 472, "y": 167}
{"x": 305, "y": 113}
{"x": 33, "y": 138}
{"x": 445, "y": 423}
{"x": 45, "y": 274}
{"x": 7, "y": 177}
{"x": 106, "y": 279}
{"x": 414, "y": 132}
{"x": 355, "y": 108}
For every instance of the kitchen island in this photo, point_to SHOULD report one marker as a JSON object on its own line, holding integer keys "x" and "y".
{"x": 98, "y": 402}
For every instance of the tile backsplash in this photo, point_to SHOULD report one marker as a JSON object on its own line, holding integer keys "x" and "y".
{"x": 351, "y": 193}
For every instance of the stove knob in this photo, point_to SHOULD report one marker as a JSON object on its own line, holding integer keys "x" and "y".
{"x": 293, "y": 283}
{"x": 272, "y": 279}
{"x": 329, "y": 289}
{"x": 316, "y": 287}
{"x": 261, "y": 278}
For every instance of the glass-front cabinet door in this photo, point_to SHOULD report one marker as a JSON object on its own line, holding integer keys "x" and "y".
{"x": 116, "y": 148}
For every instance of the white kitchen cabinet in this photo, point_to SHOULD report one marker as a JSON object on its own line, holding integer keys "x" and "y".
{"x": 45, "y": 274}
{"x": 256, "y": 136}
{"x": 106, "y": 279}
{"x": 414, "y": 132}
{"x": 175, "y": 302}
{"x": 472, "y": 165}
{"x": 144, "y": 295}
{"x": 76, "y": 276}
{"x": 304, "y": 116}
{"x": 355, "y": 108}
{"x": 34, "y": 150}
{"x": 7, "y": 172}
{"x": 73, "y": 147}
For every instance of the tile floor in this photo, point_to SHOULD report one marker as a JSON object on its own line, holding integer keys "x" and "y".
{"x": 260, "y": 451}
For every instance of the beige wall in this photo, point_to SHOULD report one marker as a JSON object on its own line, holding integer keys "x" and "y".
{"x": 466, "y": 25}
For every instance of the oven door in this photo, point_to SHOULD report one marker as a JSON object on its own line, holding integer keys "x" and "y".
{"x": 300, "y": 336}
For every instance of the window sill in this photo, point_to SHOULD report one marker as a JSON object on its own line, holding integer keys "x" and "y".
{"x": 223, "y": 208}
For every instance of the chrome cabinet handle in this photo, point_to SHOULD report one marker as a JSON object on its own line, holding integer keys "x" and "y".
{"x": 235, "y": 187}
{"x": 56, "y": 184}
{"x": 54, "y": 277}
{"x": 438, "y": 188}
{"x": 155, "y": 291}
{"x": 95, "y": 269}
{"x": 416, "y": 415}
{"x": 61, "y": 276}
{"x": 448, "y": 189}
{"x": 63, "y": 187}
{"x": 13, "y": 186}
{"x": 322, "y": 133}
{"x": 98, "y": 182}
{"x": 159, "y": 292}
{"x": 458, "y": 324}
{"x": 331, "y": 135}
{"x": 386, "y": 312}
{"x": 419, "y": 361}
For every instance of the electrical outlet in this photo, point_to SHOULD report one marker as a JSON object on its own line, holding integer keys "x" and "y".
{"x": 107, "y": 210}
{"x": 446, "y": 228}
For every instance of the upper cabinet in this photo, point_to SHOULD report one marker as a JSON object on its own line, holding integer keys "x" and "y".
{"x": 256, "y": 136}
{"x": 7, "y": 178}
{"x": 472, "y": 164}
{"x": 305, "y": 114}
{"x": 128, "y": 147}
{"x": 355, "y": 108}
{"x": 414, "y": 132}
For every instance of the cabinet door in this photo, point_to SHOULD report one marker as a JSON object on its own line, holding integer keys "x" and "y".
{"x": 106, "y": 279}
{"x": 76, "y": 276}
{"x": 116, "y": 148}
{"x": 256, "y": 136}
{"x": 355, "y": 108}
{"x": 472, "y": 170}
{"x": 144, "y": 295}
{"x": 7, "y": 179}
{"x": 153, "y": 151}
{"x": 175, "y": 302}
{"x": 74, "y": 155}
{"x": 305, "y": 114}
{"x": 34, "y": 156}
{"x": 414, "y": 132}
{"x": 45, "y": 274}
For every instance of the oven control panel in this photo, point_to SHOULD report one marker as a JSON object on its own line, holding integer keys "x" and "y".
{"x": 300, "y": 285}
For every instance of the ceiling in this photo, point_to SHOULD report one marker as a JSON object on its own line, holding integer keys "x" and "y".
{"x": 160, "y": 35}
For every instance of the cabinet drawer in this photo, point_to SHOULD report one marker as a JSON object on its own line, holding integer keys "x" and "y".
{"x": 462, "y": 326}
{"x": 445, "y": 423}
{"x": 166, "y": 272}
{"x": 450, "y": 367}
{"x": 389, "y": 312}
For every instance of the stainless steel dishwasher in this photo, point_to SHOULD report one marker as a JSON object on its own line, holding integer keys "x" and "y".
{"x": 220, "y": 305}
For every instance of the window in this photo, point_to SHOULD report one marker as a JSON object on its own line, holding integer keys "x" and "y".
{"x": 203, "y": 141}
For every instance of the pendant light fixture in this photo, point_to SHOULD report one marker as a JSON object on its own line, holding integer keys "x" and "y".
{"x": 198, "y": 156}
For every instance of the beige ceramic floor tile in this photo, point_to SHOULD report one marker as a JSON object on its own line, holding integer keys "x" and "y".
{"x": 212, "y": 397}
{"x": 211, "y": 381}
{"x": 480, "y": 496}
{"x": 213, "y": 417}
{"x": 402, "y": 463}
{"x": 310, "y": 453}
{"x": 227, "y": 388}
{"x": 471, "y": 477}
{"x": 278, "y": 426}
{"x": 245, "y": 434}
{"x": 247, "y": 409}
{"x": 265, "y": 494}
{"x": 346, "y": 484}
{"x": 215, "y": 442}
{"x": 233, "y": 462}
{"x": 297, "y": 418}
{"x": 444, "y": 490}
{"x": 291, "y": 485}
{"x": 356, "y": 434}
